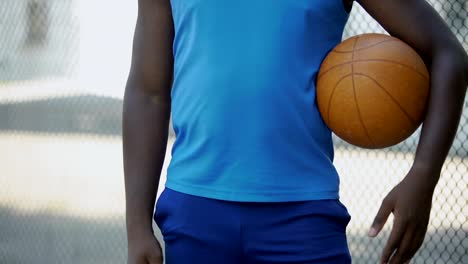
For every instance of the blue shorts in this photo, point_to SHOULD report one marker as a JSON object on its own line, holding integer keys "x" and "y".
{"x": 209, "y": 231}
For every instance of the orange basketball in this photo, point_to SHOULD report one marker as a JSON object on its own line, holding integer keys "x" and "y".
{"x": 372, "y": 90}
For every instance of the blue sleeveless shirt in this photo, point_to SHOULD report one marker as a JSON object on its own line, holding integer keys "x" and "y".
{"x": 243, "y": 99}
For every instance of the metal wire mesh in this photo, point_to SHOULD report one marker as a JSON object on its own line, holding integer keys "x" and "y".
{"x": 61, "y": 177}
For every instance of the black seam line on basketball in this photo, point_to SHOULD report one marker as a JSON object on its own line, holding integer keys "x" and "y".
{"x": 391, "y": 97}
{"x": 363, "y": 48}
{"x": 355, "y": 97}
{"x": 331, "y": 96}
{"x": 373, "y": 60}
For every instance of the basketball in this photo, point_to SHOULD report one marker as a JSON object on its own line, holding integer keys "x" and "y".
{"x": 372, "y": 90}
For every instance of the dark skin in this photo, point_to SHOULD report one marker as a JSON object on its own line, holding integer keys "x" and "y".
{"x": 146, "y": 113}
{"x": 421, "y": 27}
{"x": 147, "y": 105}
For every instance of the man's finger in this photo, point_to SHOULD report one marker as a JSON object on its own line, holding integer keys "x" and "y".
{"x": 417, "y": 240}
{"x": 405, "y": 250}
{"x": 394, "y": 240}
{"x": 381, "y": 217}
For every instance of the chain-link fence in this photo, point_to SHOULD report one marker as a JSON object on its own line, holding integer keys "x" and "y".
{"x": 63, "y": 65}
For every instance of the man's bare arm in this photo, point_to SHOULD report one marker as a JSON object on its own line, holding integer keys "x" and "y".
{"x": 418, "y": 24}
{"x": 146, "y": 113}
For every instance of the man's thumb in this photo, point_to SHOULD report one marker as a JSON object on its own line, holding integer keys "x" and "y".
{"x": 381, "y": 218}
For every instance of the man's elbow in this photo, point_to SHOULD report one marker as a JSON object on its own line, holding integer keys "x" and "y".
{"x": 158, "y": 93}
{"x": 149, "y": 91}
{"x": 455, "y": 59}
{"x": 462, "y": 67}
{"x": 465, "y": 68}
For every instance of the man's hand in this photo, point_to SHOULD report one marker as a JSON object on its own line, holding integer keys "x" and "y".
{"x": 410, "y": 201}
{"x": 144, "y": 249}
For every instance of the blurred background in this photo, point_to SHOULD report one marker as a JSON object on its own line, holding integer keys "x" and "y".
{"x": 63, "y": 68}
